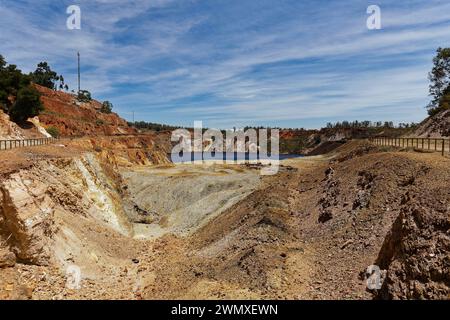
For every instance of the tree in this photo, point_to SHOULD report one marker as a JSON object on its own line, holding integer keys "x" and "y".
{"x": 2, "y": 62}
{"x": 106, "y": 107}
{"x": 44, "y": 76}
{"x": 27, "y": 105}
{"x": 440, "y": 79}
{"x": 444, "y": 102}
{"x": 62, "y": 85}
{"x": 11, "y": 81}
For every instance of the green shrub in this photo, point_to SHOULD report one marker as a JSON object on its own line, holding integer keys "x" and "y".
{"x": 106, "y": 107}
{"x": 54, "y": 132}
{"x": 27, "y": 105}
{"x": 84, "y": 96}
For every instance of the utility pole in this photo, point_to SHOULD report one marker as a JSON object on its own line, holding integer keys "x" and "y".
{"x": 79, "y": 76}
{"x": 133, "y": 116}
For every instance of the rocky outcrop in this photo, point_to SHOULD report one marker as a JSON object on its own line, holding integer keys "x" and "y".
{"x": 8, "y": 129}
{"x": 7, "y": 258}
{"x": 416, "y": 253}
{"x": 32, "y": 201}
{"x": 27, "y": 213}
{"x": 35, "y": 121}
{"x": 365, "y": 185}
{"x": 329, "y": 198}
{"x": 435, "y": 126}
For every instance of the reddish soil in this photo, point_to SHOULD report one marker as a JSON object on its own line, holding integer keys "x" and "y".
{"x": 64, "y": 112}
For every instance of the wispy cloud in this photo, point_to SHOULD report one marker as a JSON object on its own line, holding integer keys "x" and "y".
{"x": 289, "y": 63}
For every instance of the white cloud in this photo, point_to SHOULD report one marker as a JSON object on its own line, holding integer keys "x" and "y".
{"x": 255, "y": 61}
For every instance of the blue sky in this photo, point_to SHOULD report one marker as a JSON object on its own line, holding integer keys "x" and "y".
{"x": 287, "y": 63}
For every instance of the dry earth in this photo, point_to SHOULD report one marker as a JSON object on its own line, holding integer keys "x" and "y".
{"x": 140, "y": 228}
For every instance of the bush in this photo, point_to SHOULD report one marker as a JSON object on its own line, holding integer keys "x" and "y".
{"x": 54, "y": 132}
{"x": 99, "y": 122}
{"x": 84, "y": 96}
{"x": 106, "y": 107}
{"x": 27, "y": 105}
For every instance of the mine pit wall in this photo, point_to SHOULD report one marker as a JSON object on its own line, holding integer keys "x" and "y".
{"x": 35, "y": 201}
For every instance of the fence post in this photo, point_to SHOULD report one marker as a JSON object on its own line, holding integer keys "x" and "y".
{"x": 443, "y": 147}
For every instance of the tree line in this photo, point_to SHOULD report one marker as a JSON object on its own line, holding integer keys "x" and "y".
{"x": 143, "y": 125}
{"x": 369, "y": 125}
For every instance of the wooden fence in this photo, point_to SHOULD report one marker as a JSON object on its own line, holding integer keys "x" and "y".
{"x": 430, "y": 144}
{"x": 12, "y": 144}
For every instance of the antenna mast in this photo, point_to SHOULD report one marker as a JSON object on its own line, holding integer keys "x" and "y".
{"x": 79, "y": 81}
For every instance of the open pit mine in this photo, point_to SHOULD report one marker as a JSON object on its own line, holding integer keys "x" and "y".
{"x": 109, "y": 216}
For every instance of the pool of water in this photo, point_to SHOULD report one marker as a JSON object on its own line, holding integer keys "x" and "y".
{"x": 229, "y": 156}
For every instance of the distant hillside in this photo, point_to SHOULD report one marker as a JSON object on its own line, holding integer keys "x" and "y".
{"x": 313, "y": 142}
{"x": 435, "y": 126}
{"x": 71, "y": 118}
